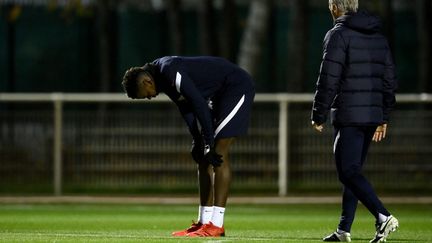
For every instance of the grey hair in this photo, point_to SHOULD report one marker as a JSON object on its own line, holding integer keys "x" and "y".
{"x": 345, "y": 5}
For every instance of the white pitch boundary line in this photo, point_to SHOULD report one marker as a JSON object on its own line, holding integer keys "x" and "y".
{"x": 95, "y": 235}
{"x": 194, "y": 200}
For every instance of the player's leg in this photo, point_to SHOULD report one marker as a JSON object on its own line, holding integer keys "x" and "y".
{"x": 349, "y": 200}
{"x": 222, "y": 181}
{"x": 214, "y": 182}
{"x": 349, "y": 151}
{"x": 231, "y": 112}
{"x": 368, "y": 134}
{"x": 348, "y": 154}
{"x": 349, "y": 206}
{"x": 205, "y": 180}
{"x": 205, "y": 184}
{"x": 205, "y": 210}
{"x": 385, "y": 223}
{"x": 222, "y": 178}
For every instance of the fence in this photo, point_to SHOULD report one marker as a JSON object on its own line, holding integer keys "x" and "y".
{"x": 105, "y": 142}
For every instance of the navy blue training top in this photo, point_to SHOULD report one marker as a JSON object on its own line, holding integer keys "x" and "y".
{"x": 190, "y": 82}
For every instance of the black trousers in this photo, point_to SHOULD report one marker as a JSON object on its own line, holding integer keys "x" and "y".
{"x": 351, "y": 145}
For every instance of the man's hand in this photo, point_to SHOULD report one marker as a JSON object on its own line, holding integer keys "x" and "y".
{"x": 317, "y": 127}
{"x": 197, "y": 150}
{"x": 380, "y": 133}
{"x": 211, "y": 156}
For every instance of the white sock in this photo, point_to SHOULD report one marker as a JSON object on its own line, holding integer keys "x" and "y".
{"x": 339, "y": 231}
{"x": 205, "y": 214}
{"x": 381, "y": 218}
{"x": 218, "y": 216}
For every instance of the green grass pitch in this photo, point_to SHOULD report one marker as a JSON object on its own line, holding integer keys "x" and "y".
{"x": 154, "y": 223}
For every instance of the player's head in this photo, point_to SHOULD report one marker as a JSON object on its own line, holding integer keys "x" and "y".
{"x": 138, "y": 83}
{"x": 341, "y": 7}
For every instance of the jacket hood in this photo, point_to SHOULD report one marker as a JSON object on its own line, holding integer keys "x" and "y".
{"x": 361, "y": 21}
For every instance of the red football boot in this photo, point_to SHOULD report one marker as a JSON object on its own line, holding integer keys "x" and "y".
{"x": 208, "y": 230}
{"x": 194, "y": 227}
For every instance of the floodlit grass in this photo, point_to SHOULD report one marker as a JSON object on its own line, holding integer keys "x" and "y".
{"x": 154, "y": 223}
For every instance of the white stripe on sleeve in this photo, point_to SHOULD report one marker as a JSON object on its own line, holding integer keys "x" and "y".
{"x": 178, "y": 81}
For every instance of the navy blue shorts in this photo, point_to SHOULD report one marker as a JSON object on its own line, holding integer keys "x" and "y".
{"x": 232, "y": 108}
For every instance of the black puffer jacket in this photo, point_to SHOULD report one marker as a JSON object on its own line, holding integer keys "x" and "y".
{"x": 357, "y": 75}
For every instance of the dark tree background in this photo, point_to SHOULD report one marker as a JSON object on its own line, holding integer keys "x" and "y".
{"x": 85, "y": 46}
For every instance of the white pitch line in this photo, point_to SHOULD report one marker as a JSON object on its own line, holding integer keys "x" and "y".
{"x": 39, "y": 234}
{"x": 193, "y": 200}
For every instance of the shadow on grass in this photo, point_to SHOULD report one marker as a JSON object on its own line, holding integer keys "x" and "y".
{"x": 308, "y": 239}
{"x": 389, "y": 239}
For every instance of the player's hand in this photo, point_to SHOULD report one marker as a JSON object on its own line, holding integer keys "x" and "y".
{"x": 211, "y": 156}
{"x": 197, "y": 150}
{"x": 380, "y": 133}
{"x": 317, "y": 127}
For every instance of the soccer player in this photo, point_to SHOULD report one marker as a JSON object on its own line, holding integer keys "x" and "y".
{"x": 215, "y": 98}
{"x": 357, "y": 82}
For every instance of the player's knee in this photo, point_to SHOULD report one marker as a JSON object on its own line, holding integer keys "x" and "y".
{"x": 346, "y": 174}
{"x": 223, "y": 145}
{"x": 203, "y": 166}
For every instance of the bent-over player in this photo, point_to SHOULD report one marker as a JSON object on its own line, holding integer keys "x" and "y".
{"x": 215, "y": 98}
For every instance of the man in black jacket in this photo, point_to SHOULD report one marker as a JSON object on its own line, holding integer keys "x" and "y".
{"x": 357, "y": 83}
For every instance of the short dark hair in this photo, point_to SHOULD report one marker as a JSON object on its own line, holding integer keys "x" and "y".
{"x": 129, "y": 82}
{"x": 130, "y": 78}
